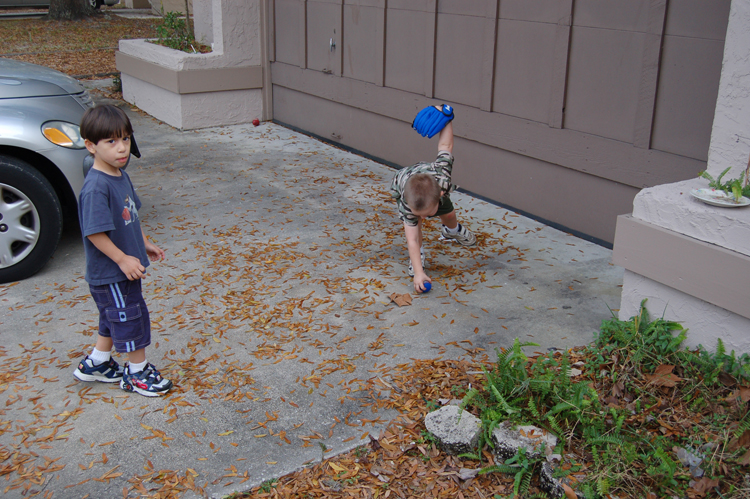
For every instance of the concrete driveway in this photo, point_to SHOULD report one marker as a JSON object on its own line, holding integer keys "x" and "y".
{"x": 271, "y": 312}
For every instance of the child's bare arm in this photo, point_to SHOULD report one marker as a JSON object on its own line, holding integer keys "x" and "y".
{"x": 413, "y": 243}
{"x": 130, "y": 265}
{"x": 445, "y": 139}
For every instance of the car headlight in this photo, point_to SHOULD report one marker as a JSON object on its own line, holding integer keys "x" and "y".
{"x": 63, "y": 134}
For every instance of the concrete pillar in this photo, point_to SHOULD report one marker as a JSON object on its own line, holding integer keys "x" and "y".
{"x": 730, "y": 136}
{"x": 691, "y": 261}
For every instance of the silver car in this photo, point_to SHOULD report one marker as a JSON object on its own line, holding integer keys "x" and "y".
{"x": 95, "y": 4}
{"x": 41, "y": 163}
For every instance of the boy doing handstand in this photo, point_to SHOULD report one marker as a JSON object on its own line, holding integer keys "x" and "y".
{"x": 117, "y": 254}
{"x": 423, "y": 190}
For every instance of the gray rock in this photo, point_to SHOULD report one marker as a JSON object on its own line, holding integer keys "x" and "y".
{"x": 455, "y": 434}
{"x": 688, "y": 457}
{"x": 549, "y": 484}
{"x": 332, "y": 485}
{"x": 696, "y": 471}
{"x": 508, "y": 440}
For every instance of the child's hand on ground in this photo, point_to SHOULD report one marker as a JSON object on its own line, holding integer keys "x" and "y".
{"x": 131, "y": 267}
{"x": 154, "y": 252}
{"x": 419, "y": 280}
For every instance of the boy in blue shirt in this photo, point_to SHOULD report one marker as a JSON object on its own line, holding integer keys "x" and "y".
{"x": 117, "y": 254}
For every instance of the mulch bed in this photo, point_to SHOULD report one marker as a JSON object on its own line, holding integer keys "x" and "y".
{"x": 399, "y": 462}
{"x": 84, "y": 49}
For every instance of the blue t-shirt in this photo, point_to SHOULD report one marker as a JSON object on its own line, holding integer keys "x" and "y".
{"x": 109, "y": 204}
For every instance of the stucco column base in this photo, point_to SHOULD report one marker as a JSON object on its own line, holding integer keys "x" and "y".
{"x": 189, "y": 91}
{"x": 194, "y": 110}
{"x": 690, "y": 260}
{"x": 194, "y": 90}
{"x": 706, "y": 323}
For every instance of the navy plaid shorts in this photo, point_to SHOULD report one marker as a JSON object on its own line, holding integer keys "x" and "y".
{"x": 123, "y": 315}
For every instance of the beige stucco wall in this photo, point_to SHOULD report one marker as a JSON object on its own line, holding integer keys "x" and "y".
{"x": 170, "y": 5}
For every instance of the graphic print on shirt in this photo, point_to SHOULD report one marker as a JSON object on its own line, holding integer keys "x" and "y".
{"x": 129, "y": 212}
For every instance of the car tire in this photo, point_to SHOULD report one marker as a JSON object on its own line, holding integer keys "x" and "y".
{"x": 30, "y": 220}
{"x": 95, "y": 4}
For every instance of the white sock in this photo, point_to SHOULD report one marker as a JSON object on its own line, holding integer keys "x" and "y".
{"x": 136, "y": 368}
{"x": 454, "y": 230}
{"x": 99, "y": 357}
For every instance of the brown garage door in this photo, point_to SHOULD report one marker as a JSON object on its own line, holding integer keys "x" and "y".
{"x": 565, "y": 108}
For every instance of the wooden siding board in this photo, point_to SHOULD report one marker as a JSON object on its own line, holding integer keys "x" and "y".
{"x": 363, "y": 43}
{"x": 406, "y": 69}
{"x": 524, "y": 79}
{"x": 476, "y": 8}
{"x": 555, "y": 112}
{"x": 457, "y": 60}
{"x": 380, "y": 4}
{"x": 288, "y": 32}
{"x": 412, "y": 5}
{"x": 541, "y": 11}
{"x": 324, "y": 22}
{"x": 698, "y": 18}
{"x": 430, "y": 50}
{"x": 380, "y": 50}
{"x": 603, "y": 81}
{"x": 629, "y": 15}
{"x": 644, "y": 114}
{"x": 489, "y": 48}
{"x": 613, "y": 160}
{"x": 533, "y": 186}
{"x": 686, "y": 96}
{"x": 303, "y": 34}
{"x": 271, "y": 33}
{"x": 267, "y": 28}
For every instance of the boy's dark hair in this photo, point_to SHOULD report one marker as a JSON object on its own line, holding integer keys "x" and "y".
{"x": 105, "y": 122}
{"x": 421, "y": 191}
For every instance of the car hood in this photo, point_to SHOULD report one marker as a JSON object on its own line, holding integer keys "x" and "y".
{"x": 21, "y": 79}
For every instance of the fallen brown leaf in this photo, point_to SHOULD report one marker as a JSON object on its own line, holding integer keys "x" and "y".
{"x": 663, "y": 377}
{"x": 401, "y": 300}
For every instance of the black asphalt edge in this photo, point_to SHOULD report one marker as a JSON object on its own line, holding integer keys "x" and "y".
{"x": 554, "y": 225}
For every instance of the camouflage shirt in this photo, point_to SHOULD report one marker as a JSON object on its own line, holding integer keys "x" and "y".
{"x": 441, "y": 169}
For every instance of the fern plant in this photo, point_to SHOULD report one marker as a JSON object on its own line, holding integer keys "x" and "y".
{"x": 522, "y": 467}
{"x": 643, "y": 343}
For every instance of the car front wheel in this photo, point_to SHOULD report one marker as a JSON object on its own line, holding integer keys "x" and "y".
{"x": 30, "y": 220}
{"x": 95, "y": 4}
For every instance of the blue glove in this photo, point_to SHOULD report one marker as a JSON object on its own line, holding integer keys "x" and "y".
{"x": 430, "y": 120}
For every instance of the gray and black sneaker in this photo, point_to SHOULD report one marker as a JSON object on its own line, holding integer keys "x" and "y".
{"x": 147, "y": 382}
{"x": 106, "y": 372}
{"x": 463, "y": 236}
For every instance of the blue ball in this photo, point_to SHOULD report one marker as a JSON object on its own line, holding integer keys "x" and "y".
{"x": 427, "y": 286}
